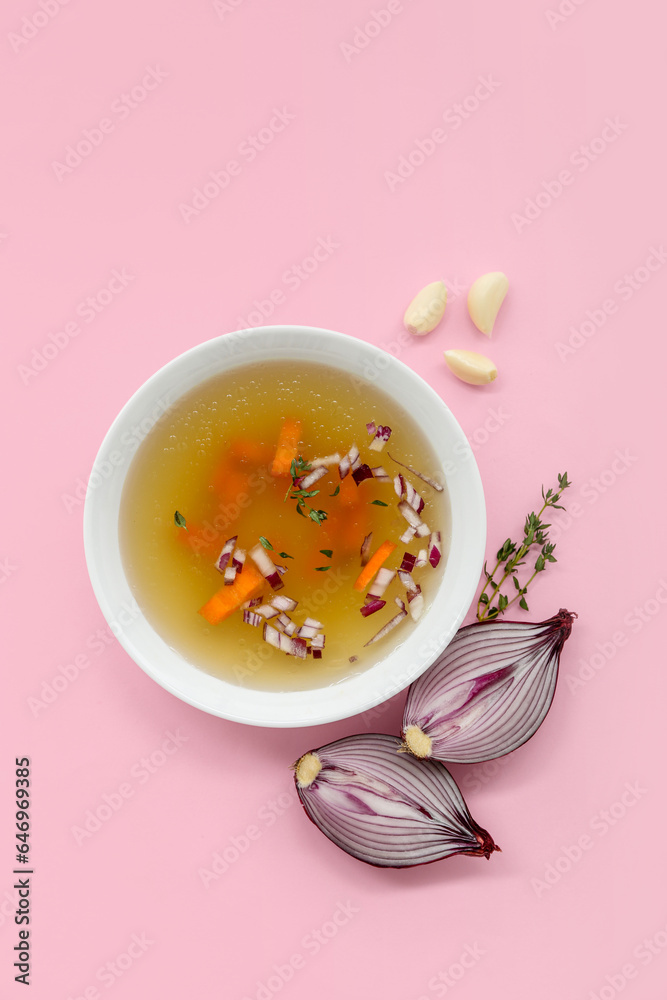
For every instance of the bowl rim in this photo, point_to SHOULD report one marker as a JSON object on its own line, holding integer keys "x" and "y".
{"x": 316, "y": 706}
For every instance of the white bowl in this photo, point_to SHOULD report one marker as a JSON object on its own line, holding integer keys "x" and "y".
{"x": 399, "y": 667}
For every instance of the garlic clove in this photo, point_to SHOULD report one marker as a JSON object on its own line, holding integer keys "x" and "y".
{"x": 470, "y": 367}
{"x": 426, "y": 309}
{"x": 485, "y": 298}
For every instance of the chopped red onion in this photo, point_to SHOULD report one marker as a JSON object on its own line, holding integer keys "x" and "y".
{"x": 317, "y": 653}
{"x": 422, "y": 559}
{"x": 290, "y": 628}
{"x": 422, "y": 530}
{"x": 266, "y": 567}
{"x": 283, "y": 620}
{"x": 312, "y": 477}
{"x": 391, "y": 624}
{"x": 271, "y": 635}
{"x": 252, "y": 618}
{"x": 420, "y": 475}
{"x": 408, "y": 563}
{"x": 365, "y": 551}
{"x": 283, "y": 603}
{"x": 307, "y": 632}
{"x": 230, "y": 575}
{"x": 318, "y": 642}
{"x": 299, "y": 648}
{"x": 238, "y": 560}
{"x": 353, "y": 659}
{"x": 383, "y": 578}
{"x": 400, "y": 603}
{"x": 370, "y": 607}
{"x": 267, "y": 611}
{"x": 326, "y": 460}
{"x": 416, "y": 604}
{"x": 384, "y": 807}
{"x": 410, "y": 515}
{"x": 407, "y": 580}
{"x": 399, "y": 485}
{"x": 281, "y": 569}
{"x": 489, "y": 691}
{"x": 381, "y": 474}
{"x": 225, "y": 555}
{"x": 408, "y": 535}
{"x": 382, "y": 435}
{"x": 349, "y": 461}
{"x": 434, "y": 548}
{"x": 370, "y": 427}
{"x": 361, "y": 473}
{"x": 312, "y": 623}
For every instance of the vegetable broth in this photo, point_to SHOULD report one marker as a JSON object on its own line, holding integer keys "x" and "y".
{"x": 209, "y": 458}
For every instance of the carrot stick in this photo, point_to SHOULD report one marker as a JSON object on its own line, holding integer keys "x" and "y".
{"x": 287, "y": 449}
{"x": 228, "y": 599}
{"x": 373, "y": 565}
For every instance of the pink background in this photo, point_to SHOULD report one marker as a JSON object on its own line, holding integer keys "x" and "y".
{"x": 565, "y": 909}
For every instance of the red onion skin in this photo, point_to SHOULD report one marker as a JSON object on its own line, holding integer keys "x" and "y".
{"x": 421, "y": 708}
{"x": 474, "y": 841}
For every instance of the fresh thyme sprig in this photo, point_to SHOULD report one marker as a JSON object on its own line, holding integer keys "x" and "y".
{"x": 512, "y": 555}
{"x": 297, "y": 469}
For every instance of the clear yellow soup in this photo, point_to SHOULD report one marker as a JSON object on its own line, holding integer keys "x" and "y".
{"x": 210, "y": 458}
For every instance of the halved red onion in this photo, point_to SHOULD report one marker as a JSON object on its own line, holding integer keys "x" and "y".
{"x": 382, "y": 435}
{"x": 252, "y": 618}
{"x": 370, "y": 607}
{"x": 489, "y": 691}
{"x": 225, "y": 555}
{"x": 365, "y": 550}
{"x": 391, "y": 624}
{"x": 384, "y": 807}
{"x": 434, "y": 548}
{"x": 284, "y": 603}
{"x": 264, "y": 564}
{"x": 420, "y": 475}
{"x": 361, "y": 473}
{"x": 383, "y": 578}
{"x": 312, "y": 477}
